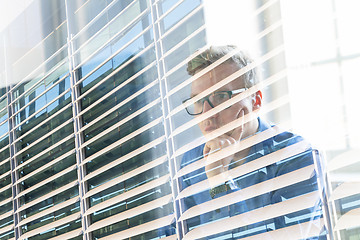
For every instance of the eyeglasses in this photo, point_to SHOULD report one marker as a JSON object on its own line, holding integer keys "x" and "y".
{"x": 214, "y": 99}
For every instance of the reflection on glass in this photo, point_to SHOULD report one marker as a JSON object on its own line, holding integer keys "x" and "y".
{"x": 5, "y": 165}
{"x": 178, "y": 13}
{"x": 43, "y": 175}
{"x": 183, "y": 31}
{"x": 183, "y": 51}
{"x": 48, "y": 187}
{"x": 5, "y": 194}
{"x": 59, "y": 214}
{"x": 48, "y": 157}
{"x": 6, "y": 221}
{"x": 226, "y": 165}
{"x": 4, "y": 208}
{"x": 7, "y": 235}
{"x": 68, "y": 227}
{"x": 50, "y": 202}
{"x": 106, "y": 33}
{"x": 45, "y": 143}
{"x": 36, "y": 102}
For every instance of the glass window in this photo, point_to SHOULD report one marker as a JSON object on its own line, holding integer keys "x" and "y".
{"x": 50, "y": 202}
{"x": 47, "y": 187}
{"x": 185, "y": 50}
{"x": 6, "y": 221}
{"x": 7, "y": 235}
{"x": 178, "y": 13}
{"x": 105, "y": 34}
{"x": 129, "y": 145}
{"x": 3, "y": 114}
{"x": 5, "y": 181}
{"x": 185, "y": 119}
{"x": 116, "y": 153}
{"x": 7, "y": 207}
{"x": 129, "y": 165}
{"x": 4, "y": 141}
{"x": 165, "y": 5}
{"x": 135, "y": 221}
{"x": 57, "y": 215}
{"x": 183, "y": 31}
{"x": 48, "y": 172}
{"x": 45, "y": 143}
{"x": 37, "y": 104}
{"x": 5, "y": 194}
{"x": 5, "y": 165}
{"x": 57, "y": 231}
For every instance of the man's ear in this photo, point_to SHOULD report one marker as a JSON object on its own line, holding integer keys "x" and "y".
{"x": 257, "y": 100}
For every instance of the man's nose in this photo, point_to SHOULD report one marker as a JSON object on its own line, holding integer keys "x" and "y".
{"x": 206, "y": 106}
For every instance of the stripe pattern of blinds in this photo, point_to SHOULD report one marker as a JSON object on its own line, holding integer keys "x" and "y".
{"x": 95, "y": 142}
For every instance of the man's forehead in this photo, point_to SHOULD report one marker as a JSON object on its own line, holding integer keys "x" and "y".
{"x": 223, "y": 70}
{"x": 214, "y": 76}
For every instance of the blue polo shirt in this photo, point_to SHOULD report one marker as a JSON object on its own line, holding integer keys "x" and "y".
{"x": 270, "y": 145}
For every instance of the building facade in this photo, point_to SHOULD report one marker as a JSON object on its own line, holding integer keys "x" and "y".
{"x": 93, "y": 130}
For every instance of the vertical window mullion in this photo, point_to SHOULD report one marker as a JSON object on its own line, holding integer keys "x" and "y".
{"x": 75, "y": 93}
{"x": 165, "y": 103}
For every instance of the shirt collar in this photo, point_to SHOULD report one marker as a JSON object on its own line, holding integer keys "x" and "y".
{"x": 261, "y": 147}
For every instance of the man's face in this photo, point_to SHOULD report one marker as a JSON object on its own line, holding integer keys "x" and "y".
{"x": 229, "y": 114}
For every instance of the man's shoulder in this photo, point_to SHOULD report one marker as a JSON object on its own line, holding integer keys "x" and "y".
{"x": 283, "y": 138}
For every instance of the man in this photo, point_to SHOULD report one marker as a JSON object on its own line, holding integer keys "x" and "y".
{"x": 224, "y": 122}
{"x": 228, "y": 115}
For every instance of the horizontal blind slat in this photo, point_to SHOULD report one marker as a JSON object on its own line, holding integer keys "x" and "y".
{"x": 125, "y": 176}
{"x": 4, "y": 175}
{"x": 5, "y": 215}
{"x": 48, "y": 211}
{"x": 125, "y": 157}
{"x": 268, "y": 212}
{"x": 299, "y": 231}
{"x": 5, "y": 201}
{"x": 42, "y": 168}
{"x": 45, "y": 181}
{"x": 68, "y": 235}
{"x": 346, "y": 189}
{"x": 250, "y": 192}
{"x": 43, "y": 137}
{"x": 143, "y": 228}
{"x": 119, "y": 123}
{"x": 6, "y": 229}
{"x": 133, "y": 192}
{"x": 46, "y": 196}
{"x": 243, "y": 169}
{"x": 122, "y": 103}
{"x": 246, "y": 143}
{"x": 350, "y": 219}
{"x": 57, "y": 223}
{"x": 130, "y": 213}
{"x": 41, "y": 109}
{"x": 5, "y": 188}
{"x": 122, "y": 140}
{"x": 46, "y": 150}
{"x": 118, "y": 87}
{"x": 43, "y": 122}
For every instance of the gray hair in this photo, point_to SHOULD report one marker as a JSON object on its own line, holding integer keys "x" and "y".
{"x": 214, "y": 53}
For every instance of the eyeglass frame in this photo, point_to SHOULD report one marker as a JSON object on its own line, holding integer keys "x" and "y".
{"x": 207, "y": 98}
